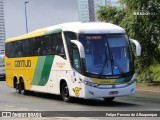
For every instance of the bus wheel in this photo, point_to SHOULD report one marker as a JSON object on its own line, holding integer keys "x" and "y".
{"x": 17, "y": 87}
{"x": 21, "y": 88}
{"x": 109, "y": 99}
{"x": 65, "y": 92}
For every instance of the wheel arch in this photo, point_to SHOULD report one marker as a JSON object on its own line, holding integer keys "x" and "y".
{"x": 60, "y": 85}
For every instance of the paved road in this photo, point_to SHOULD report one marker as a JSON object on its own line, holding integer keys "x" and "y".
{"x": 11, "y": 101}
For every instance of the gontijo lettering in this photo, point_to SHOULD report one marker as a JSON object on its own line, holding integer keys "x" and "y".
{"x": 22, "y": 63}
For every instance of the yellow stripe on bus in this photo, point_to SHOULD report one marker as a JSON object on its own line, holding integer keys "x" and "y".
{"x": 103, "y": 81}
{"x": 39, "y": 32}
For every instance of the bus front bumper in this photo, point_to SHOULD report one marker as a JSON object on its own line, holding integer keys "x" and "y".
{"x": 95, "y": 92}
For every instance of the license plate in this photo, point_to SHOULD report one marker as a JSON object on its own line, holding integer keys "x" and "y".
{"x": 113, "y": 92}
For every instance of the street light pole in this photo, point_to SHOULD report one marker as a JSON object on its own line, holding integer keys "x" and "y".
{"x": 26, "y": 15}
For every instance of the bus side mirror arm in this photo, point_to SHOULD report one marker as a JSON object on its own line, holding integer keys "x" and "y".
{"x": 80, "y": 48}
{"x": 138, "y": 46}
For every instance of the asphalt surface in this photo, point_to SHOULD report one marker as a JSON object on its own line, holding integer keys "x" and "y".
{"x": 141, "y": 101}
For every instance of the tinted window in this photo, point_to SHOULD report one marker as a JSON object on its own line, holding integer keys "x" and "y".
{"x": 70, "y": 36}
{"x": 76, "y": 59}
{"x": 39, "y": 46}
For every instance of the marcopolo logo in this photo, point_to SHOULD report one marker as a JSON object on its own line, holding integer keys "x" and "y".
{"x": 22, "y": 63}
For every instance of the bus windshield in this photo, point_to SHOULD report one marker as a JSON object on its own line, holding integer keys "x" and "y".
{"x": 107, "y": 54}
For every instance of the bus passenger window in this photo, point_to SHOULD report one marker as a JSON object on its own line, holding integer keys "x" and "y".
{"x": 58, "y": 45}
{"x": 58, "y": 49}
{"x": 19, "y": 49}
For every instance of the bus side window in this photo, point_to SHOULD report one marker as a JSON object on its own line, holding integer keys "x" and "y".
{"x": 10, "y": 49}
{"x": 76, "y": 59}
{"x": 58, "y": 49}
{"x": 68, "y": 37}
{"x": 52, "y": 44}
{"x": 19, "y": 49}
{"x": 59, "y": 46}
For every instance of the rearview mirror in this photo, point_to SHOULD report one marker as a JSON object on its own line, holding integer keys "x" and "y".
{"x": 80, "y": 48}
{"x": 138, "y": 46}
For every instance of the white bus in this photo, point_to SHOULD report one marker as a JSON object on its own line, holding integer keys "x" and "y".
{"x": 84, "y": 60}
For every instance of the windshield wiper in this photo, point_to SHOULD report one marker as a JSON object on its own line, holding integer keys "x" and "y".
{"x": 104, "y": 64}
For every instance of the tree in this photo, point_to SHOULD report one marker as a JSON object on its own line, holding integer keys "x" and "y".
{"x": 111, "y": 14}
{"x": 143, "y": 23}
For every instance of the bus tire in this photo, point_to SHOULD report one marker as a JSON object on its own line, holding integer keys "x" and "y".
{"x": 65, "y": 92}
{"x": 21, "y": 87}
{"x": 110, "y": 99}
{"x": 16, "y": 86}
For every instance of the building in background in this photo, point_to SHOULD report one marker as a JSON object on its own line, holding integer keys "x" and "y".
{"x": 2, "y": 39}
{"x": 112, "y": 3}
{"x": 91, "y": 10}
{"x": 87, "y": 8}
{"x": 2, "y": 28}
{"x": 83, "y": 10}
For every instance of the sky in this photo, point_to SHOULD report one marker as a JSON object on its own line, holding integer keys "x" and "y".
{"x": 40, "y": 13}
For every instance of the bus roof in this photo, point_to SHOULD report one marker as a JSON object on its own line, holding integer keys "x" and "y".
{"x": 77, "y": 27}
{"x": 91, "y": 27}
